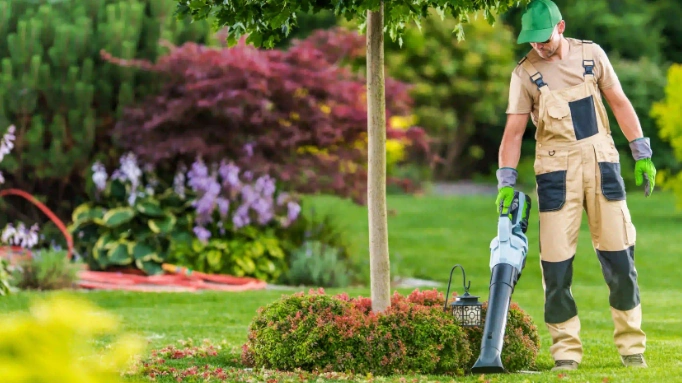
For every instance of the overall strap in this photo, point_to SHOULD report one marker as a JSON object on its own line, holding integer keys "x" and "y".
{"x": 588, "y": 61}
{"x": 535, "y": 76}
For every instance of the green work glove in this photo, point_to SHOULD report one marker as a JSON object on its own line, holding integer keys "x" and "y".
{"x": 506, "y": 179}
{"x": 504, "y": 198}
{"x": 645, "y": 171}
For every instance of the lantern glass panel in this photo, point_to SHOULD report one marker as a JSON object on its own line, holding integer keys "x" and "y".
{"x": 468, "y": 316}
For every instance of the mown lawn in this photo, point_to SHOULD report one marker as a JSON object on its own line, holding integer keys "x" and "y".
{"x": 428, "y": 235}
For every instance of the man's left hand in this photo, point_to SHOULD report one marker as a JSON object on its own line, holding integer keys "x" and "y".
{"x": 645, "y": 171}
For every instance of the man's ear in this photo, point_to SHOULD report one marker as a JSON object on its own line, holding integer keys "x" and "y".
{"x": 561, "y": 27}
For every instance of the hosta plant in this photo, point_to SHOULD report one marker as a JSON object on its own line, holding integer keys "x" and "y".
{"x": 212, "y": 217}
{"x": 241, "y": 223}
{"x": 131, "y": 221}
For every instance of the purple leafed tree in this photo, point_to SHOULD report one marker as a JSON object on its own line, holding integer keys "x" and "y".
{"x": 299, "y": 114}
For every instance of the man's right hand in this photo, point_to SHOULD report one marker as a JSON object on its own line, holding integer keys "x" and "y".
{"x": 504, "y": 199}
{"x": 506, "y": 179}
{"x": 510, "y": 152}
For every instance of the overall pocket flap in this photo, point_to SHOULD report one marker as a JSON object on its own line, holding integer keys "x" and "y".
{"x": 606, "y": 152}
{"x": 558, "y": 110}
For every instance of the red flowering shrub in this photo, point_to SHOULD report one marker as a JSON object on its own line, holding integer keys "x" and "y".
{"x": 300, "y": 114}
{"x": 323, "y": 333}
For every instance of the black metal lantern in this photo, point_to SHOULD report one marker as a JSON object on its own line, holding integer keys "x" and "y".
{"x": 466, "y": 308}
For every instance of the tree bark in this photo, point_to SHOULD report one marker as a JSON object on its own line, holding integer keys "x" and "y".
{"x": 376, "y": 178}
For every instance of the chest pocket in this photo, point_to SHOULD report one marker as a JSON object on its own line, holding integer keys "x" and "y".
{"x": 558, "y": 120}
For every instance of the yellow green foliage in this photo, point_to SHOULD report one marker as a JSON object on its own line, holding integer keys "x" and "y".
{"x": 459, "y": 87}
{"x": 669, "y": 121}
{"x": 396, "y": 148}
{"x": 54, "y": 343}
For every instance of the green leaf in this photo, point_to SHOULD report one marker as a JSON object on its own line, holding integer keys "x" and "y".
{"x": 219, "y": 243}
{"x": 273, "y": 248}
{"x": 150, "y": 208}
{"x": 141, "y": 251}
{"x": 214, "y": 259}
{"x": 100, "y": 257}
{"x": 117, "y": 191}
{"x": 164, "y": 224}
{"x": 149, "y": 267}
{"x": 246, "y": 264}
{"x": 87, "y": 212}
{"x": 105, "y": 242}
{"x": 198, "y": 246}
{"x": 255, "y": 38}
{"x": 118, "y": 216}
{"x": 257, "y": 249}
{"x": 266, "y": 265}
{"x": 181, "y": 237}
{"x": 118, "y": 254}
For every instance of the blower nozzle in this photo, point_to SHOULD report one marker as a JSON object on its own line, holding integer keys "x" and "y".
{"x": 507, "y": 260}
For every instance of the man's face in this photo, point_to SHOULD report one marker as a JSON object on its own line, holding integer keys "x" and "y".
{"x": 547, "y": 48}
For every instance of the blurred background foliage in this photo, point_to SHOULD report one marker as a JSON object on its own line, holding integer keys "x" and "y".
{"x": 65, "y": 99}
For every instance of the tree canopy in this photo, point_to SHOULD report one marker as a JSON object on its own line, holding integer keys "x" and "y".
{"x": 267, "y": 21}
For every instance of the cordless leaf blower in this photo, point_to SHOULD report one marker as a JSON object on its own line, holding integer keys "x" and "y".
{"x": 507, "y": 259}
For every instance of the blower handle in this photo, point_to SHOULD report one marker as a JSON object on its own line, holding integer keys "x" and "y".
{"x": 466, "y": 287}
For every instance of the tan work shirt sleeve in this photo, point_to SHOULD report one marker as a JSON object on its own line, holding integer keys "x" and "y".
{"x": 606, "y": 75}
{"x": 520, "y": 100}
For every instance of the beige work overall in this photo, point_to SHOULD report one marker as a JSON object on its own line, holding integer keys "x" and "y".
{"x": 577, "y": 167}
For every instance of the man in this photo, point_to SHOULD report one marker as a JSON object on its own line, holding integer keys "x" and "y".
{"x": 559, "y": 84}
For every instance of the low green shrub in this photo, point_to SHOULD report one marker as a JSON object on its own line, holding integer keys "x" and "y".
{"x": 317, "y": 264}
{"x": 45, "y": 270}
{"x": 323, "y": 333}
{"x": 319, "y": 252}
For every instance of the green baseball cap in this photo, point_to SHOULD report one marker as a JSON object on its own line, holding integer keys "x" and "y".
{"x": 538, "y": 21}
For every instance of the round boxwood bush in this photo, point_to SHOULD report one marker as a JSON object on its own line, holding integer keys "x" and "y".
{"x": 322, "y": 333}
{"x": 521, "y": 340}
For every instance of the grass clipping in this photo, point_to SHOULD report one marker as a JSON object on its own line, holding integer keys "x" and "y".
{"x": 322, "y": 333}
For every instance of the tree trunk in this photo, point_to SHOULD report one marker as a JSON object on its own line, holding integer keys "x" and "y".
{"x": 380, "y": 273}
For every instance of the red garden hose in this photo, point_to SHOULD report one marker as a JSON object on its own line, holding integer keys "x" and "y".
{"x": 53, "y": 217}
{"x": 178, "y": 278}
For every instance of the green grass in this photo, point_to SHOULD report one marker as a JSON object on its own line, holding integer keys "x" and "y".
{"x": 427, "y": 236}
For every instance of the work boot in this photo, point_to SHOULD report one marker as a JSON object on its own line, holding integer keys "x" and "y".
{"x": 636, "y": 360}
{"x": 565, "y": 365}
